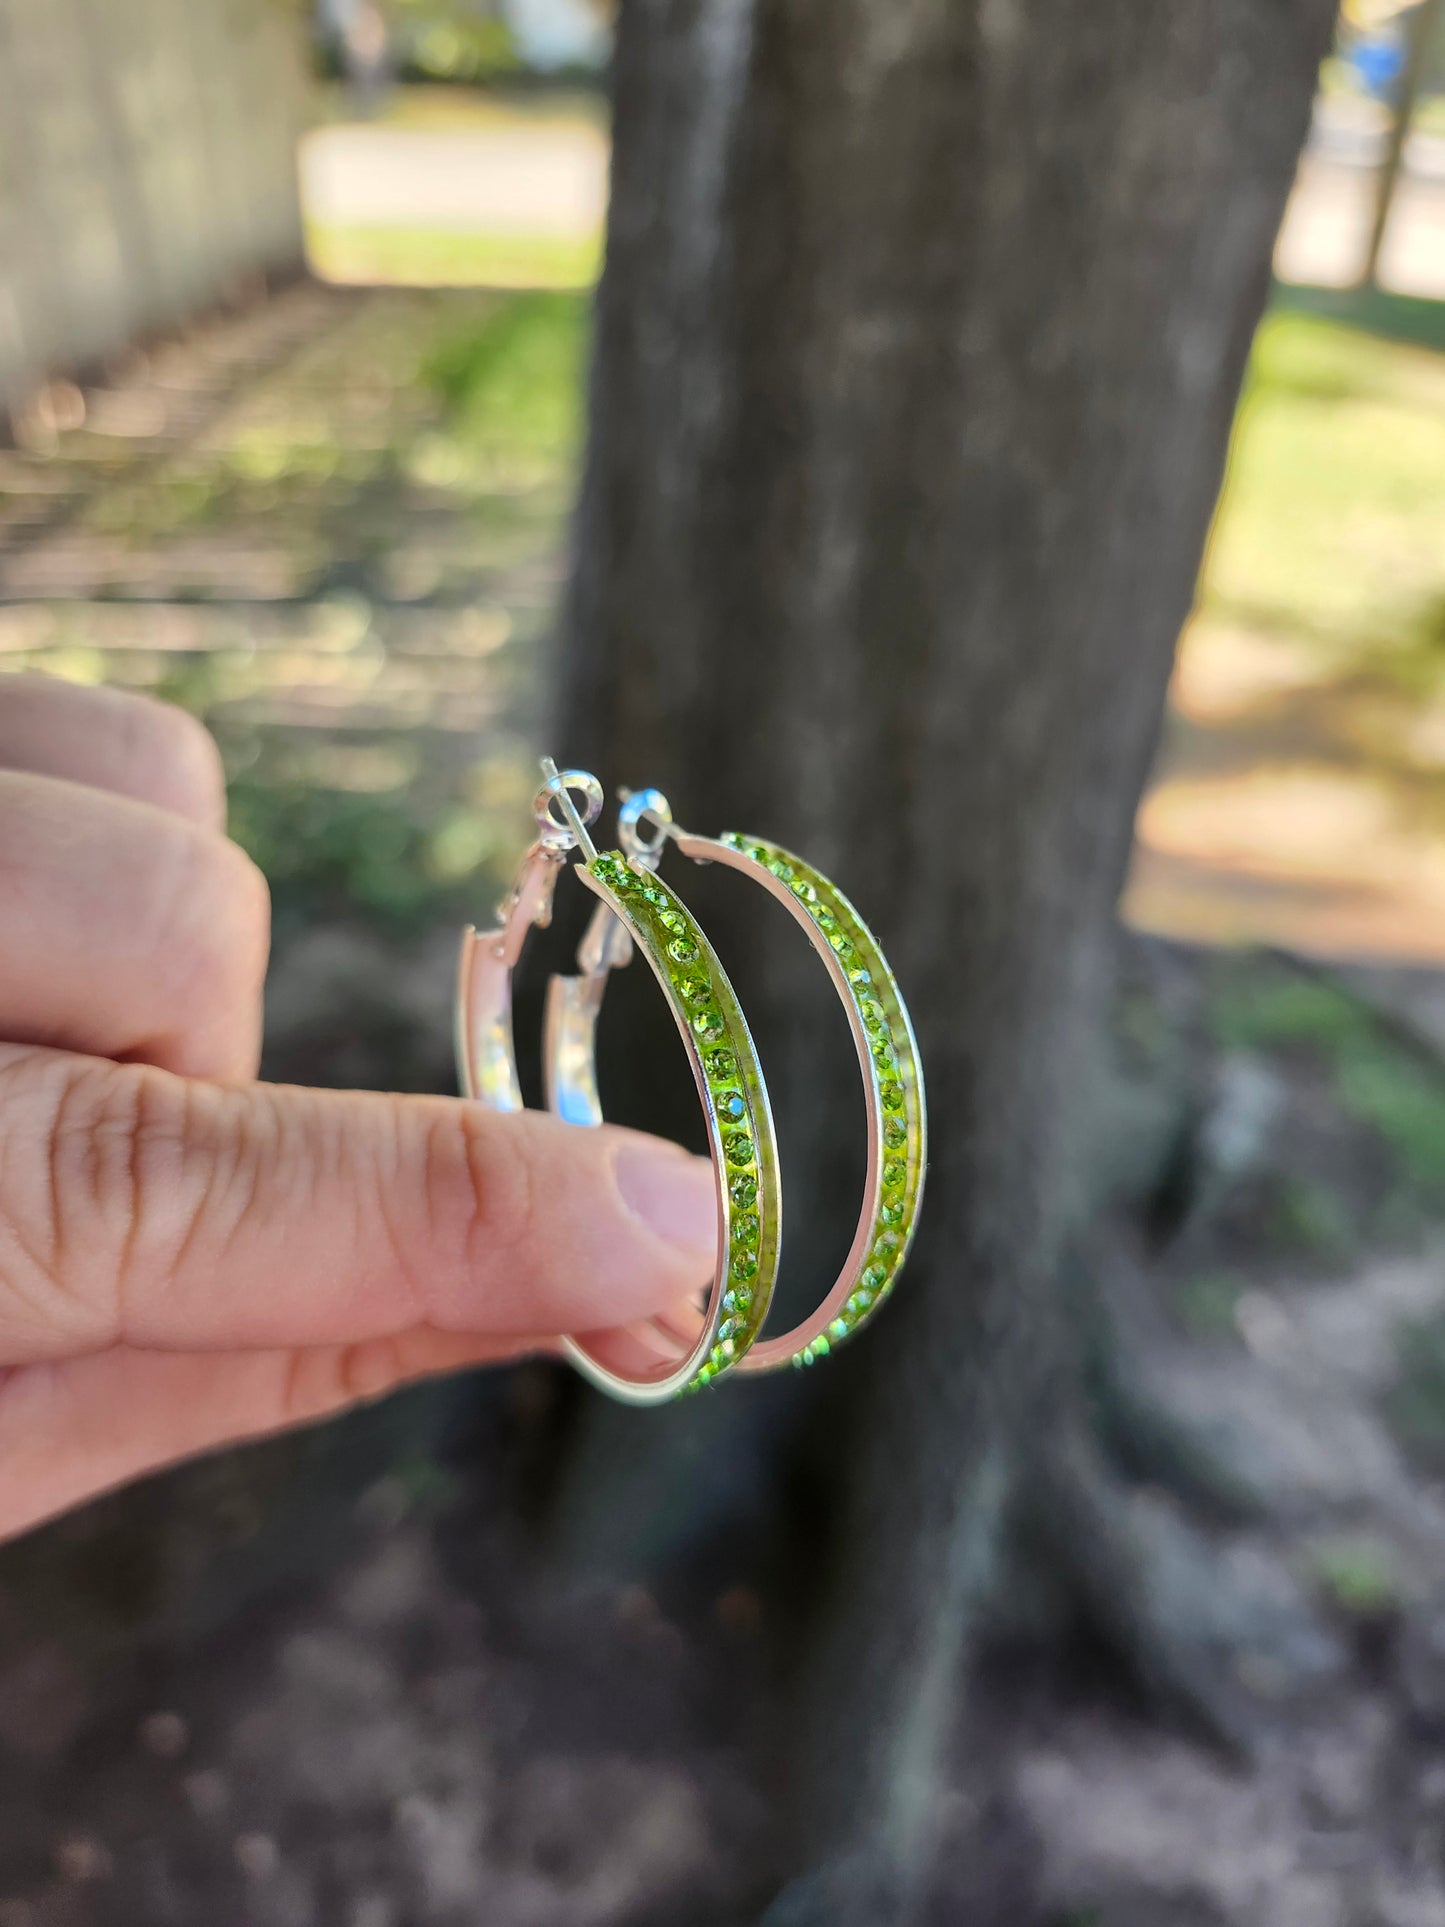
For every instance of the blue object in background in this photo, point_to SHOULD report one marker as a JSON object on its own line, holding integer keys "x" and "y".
{"x": 1377, "y": 60}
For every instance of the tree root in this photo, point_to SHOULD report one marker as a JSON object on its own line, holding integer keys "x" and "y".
{"x": 1190, "y": 1622}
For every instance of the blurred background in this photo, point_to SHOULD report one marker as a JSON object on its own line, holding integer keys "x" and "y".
{"x": 294, "y": 326}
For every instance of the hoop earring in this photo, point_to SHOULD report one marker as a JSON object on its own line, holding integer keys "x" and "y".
{"x": 888, "y": 1057}
{"x": 649, "y": 1364}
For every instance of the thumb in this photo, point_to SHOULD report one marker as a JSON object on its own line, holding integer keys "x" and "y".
{"x": 156, "y": 1211}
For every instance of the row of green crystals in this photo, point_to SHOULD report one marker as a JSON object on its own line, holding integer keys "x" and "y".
{"x": 894, "y": 1070}
{"x": 737, "y": 1107}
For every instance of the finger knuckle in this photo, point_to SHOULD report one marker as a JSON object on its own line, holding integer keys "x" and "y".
{"x": 178, "y": 765}
{"x": 89, "y": 1154}
{"x": 499, "y": 1195}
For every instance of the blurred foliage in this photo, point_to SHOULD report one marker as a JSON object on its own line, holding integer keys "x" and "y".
{"x": 1310, "y": 1219}
{"x": 455, "y": 42}
{"x": 387, "y": 844}
{"x": 1359, "y": 1576}
{"x": 1329, "y": 528}
{"x": 1207, "y": 1304}
{"x": 397, "y": 490}
{"x": 1380, "y": 1079}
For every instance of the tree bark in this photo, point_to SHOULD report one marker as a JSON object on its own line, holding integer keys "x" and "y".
{"x": 917, "y": 349}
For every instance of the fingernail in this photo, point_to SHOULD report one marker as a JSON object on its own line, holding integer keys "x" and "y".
{"x": 672, "y": 1193}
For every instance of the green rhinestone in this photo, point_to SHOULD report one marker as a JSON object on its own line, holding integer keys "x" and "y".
{"x": 860, "y": 1302}
{"x": 706, "y": 1374}
{"x": 684, "y": 951}
{"x": 838, "y": 1329}
{"x": 895, "y": 1171}
{"x": 781, "y": 870}
{"x": 729, "y": 1328}
{"x": 696, "y": 990}
{"x": 721, "y": 1065}
{"x": 892, "y": 1214}
{"x": 654, "y": 894}
{"x": 885, "y": 1246}
{"x": 873, "y": 1014}
{"x": 739, "y": 1148}
{"x": 874, "y": 1278}
{"x": 760, "y": 853}
{"x": 860, "y": 979}
{"x": 734, "y": 839}
{"x": 745, "y": 1229}
{"x": 891, "y": 1096}
{"x": 725, "y": 1349}
{"x": 883, "y": 1053}
{"x": 895, "y": 1133}
{"x": 736, "y": 1302}
{"x": 731, "y": 1107}
{"x": 803, "y": 890}
{"x": 824, "y": 917}
{"x": 675, "y": 921}
{"x": 841, "y": 943}
{"x": 708, "y": 1025}
{"x": 743, "y": 1189}
{"x": 744, "y": 1267}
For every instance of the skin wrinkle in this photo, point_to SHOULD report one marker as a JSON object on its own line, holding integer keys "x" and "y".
{"x": 365, "y": 1369}
{"x": 292, "y": 1406}
{"x": 76, "y": 1142}
{"x": 144, "y": 1134}
{"x": 245, "y": 1160}
{"x": 221, "y": 1182}
{"x": 496, "y": 1168}
{"x": 389, "y": 1180}
{"x": 42, "y": 1267}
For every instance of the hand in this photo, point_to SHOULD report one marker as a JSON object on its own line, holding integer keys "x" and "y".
{"x": 189, "y": 1257}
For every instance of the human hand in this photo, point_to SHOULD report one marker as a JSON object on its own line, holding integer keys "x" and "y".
{"x": 189, "y": 1257}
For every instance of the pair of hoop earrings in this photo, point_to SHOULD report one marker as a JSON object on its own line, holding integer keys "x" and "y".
{"x": 649, "y": 1364}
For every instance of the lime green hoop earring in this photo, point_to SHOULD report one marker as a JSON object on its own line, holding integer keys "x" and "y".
{"x": 888, "y": 1056}
{"x": 640, "y": 1365}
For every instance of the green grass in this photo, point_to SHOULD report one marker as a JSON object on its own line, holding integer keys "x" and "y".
{"x": 512, "y": 392}
{"x": 1330, "y": 525}
{"x": 384, "y": 256}
{"x": 1360, "y": 1577}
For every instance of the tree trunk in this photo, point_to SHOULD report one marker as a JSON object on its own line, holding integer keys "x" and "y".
{"x": 917, "y": 348}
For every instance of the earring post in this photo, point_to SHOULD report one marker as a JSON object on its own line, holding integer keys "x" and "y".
{"x": 569, "y": 809}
